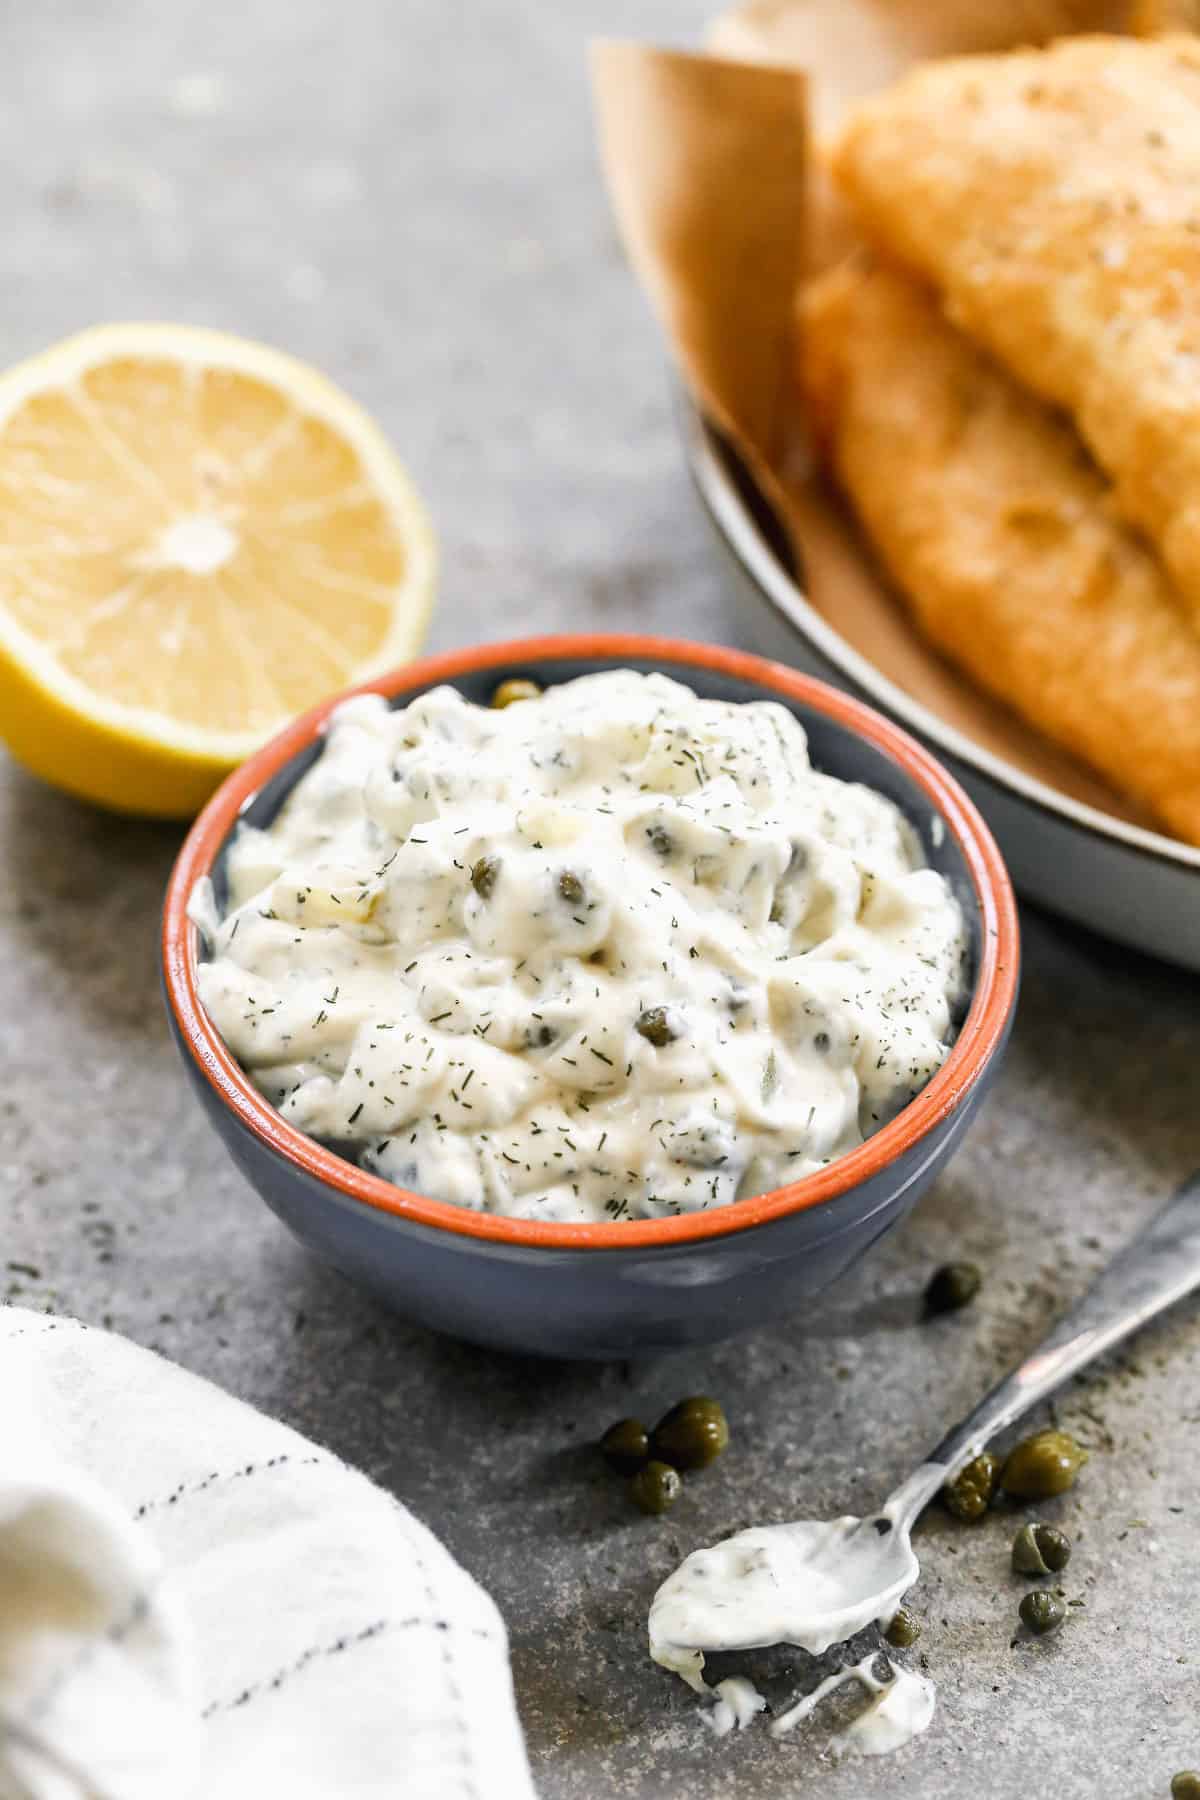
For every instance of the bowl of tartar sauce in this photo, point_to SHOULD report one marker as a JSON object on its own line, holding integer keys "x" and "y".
{"x": 618, "y": 1017}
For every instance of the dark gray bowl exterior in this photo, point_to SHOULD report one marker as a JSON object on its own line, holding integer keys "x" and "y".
{"x": 589, "y": 1303}
{"x": 600, "y": 1303}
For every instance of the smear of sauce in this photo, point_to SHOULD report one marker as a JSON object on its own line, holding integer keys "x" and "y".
{"x": 901, "y": 1708}
{"x": 738, "y": 1702}
{"x": 900, "y": 1712}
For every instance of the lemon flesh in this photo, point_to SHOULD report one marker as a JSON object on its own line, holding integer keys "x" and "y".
{"x": 199, "y": 537}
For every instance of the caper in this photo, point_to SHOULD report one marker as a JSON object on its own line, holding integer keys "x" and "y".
{"x": 656, "y": 1487}
{"x": 655, "y": 1026}
{"x": 903, "y": 1630}
{"x": 509, "y": 692}
{"x": 1042, "y": 1612}
{"x": 692, "y": 1434}
{"x": 1042, "y": 1465}
{"x": 1040, "y": 1550}
{"x": 952, "y": 1286}
{"x": 969, "y": 1494}
{"x": 660, "y": 840}
{"x": 625, "y": 1446}
{"x": 570, "y": 887}
{"x": 1185, "y": 1785}
{"x": 484, "y": 876}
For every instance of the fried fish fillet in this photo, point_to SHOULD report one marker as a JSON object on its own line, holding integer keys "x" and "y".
{"x": 985, "y": 509}
{"x": 1053, "y": 196}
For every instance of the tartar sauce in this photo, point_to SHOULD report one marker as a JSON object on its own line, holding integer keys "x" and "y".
{"x": 617, "y": 952}
{"x": 901, "y": 1708}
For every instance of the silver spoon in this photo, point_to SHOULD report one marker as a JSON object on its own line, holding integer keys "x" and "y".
{"x": 815, "y": 1583}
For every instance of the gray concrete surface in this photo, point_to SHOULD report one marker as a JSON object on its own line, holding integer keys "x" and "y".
{"x": 407, "y": 194}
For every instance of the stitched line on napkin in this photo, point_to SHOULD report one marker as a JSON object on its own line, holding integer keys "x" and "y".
{"x": 465, "y": 1753}
{"x": 469, "y": 1782}
{"x": 336, "y": 1648}
{"x": 187, "y": 1488}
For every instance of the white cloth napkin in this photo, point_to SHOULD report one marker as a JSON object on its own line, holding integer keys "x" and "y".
{"x": 195, "y": 1601}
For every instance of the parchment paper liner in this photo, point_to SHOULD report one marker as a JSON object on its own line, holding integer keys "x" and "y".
{"x": 725, "y": 211}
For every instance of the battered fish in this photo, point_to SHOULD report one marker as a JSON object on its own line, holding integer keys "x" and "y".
{"x": 984, "y": 507}
{"x": 1053, "y": 196}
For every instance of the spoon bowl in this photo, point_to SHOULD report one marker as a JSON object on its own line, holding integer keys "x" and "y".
{"x": 812, "y": 1583}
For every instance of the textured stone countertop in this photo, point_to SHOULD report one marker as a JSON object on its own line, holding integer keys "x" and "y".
{"x": 407, "y": 194}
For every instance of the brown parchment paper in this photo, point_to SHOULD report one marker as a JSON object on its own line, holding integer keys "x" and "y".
{"x": 714, "y": 166}
{"x": 705, "y": 161}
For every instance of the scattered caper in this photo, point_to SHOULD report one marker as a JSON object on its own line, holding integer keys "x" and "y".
{"x": 660, "y": 840}
{"x": 1042, "y": 1465}
{"x": 903, "y": 1630}
{"x": 570, "y": 888}
{"x": 970, "y": 1493}
{"x": 625, "y": 1446}
{"x": 655, "y": 1026}
{"x": 484, "y": 875}
{"x": 509, "y": 692}
{"x": 692, "y": 1434}
{"x": 1042, "y": 1612}
{"x": 951, "y": 1287}
{"x": 1185, "y": 1785}
{"x": 1040, "y": 1550}
{"x": 656, "y": 1487}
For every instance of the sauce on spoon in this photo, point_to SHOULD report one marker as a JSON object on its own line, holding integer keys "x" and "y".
{"x": 811, "y": 1583}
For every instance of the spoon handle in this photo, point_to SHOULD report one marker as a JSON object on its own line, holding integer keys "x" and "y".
{"x": 1159, "y": 1266}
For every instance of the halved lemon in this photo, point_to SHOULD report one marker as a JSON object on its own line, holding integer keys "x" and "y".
{"x": 199, "y": 537}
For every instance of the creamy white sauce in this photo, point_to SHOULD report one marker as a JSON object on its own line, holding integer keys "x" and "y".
{"x": 901, "y": 1708}
{"x": 439, "y": 955}
{"x": 812, "y": 1583}
{"x": 737, "y": 1703}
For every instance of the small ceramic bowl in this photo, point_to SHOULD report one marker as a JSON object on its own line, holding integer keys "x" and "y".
{"x": 618, "y": 1288}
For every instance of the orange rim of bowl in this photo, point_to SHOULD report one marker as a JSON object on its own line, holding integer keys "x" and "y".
{"x": 981, "y": 1033}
